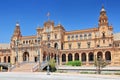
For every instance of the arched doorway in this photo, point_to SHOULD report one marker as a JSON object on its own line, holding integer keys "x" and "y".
{"x": 91, "y": 56}
{"x": 35, "y": 58}
{"x": 76, "y": 56}
{"x": 56, "y": 46}
{"x": 63, "y": 58}
{"x": 44, "y": 56}
{"x": 8, "y": 59}
{"x": 5, "y": 59}
{"x": 83, "y": 57}
{"x": 108, "y": 56}
{"x": 99, "y": 55}
{"x": 69, "y": 57}
{"x": 25, "y": 56}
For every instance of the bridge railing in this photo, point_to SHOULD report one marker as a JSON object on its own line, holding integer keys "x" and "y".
{"x": 42, "y": 66}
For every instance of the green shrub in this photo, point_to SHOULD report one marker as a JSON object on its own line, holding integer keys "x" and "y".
{"x": 52, "y": 65}
{"x": 74, "y": 63}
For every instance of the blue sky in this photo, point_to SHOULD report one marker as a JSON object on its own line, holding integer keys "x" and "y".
{"x": 72, "y": 14}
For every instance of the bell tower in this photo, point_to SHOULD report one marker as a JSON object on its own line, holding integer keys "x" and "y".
{"x": 103, "y": 20}
{"x": 17, "y": 33}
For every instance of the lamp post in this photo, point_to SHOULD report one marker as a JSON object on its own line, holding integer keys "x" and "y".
{"x": 57, "y": 57}
{"x": 16, "y": 43}
{"x": 99, "y": 65}
{"x": 38, "y": 41}
{"x": 48, "y": 72}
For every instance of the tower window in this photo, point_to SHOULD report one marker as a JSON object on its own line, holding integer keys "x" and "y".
{"x": 55, "y": 36}
{"x": 103, "y": 34}
{"x": 103, "y": 41}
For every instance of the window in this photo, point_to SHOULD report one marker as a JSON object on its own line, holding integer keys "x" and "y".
{"x": 76, "y": 37}
{"x": 110, "y": 45}
{"x": 70, "y": 46}
{"x": 79, "y": 45}
{"x": 81, "y": 37}
{"x": 103, "y": 34}
{"x": 88, "y": 43}
{"x": 85, "y": 36}
{"x": 48, "y": 36}
{"x": 68, "y": 38}
{"x": 23, "y": 42}
{"x": 89, "y": 36}
{"x": 98, "y": 45}
{"x": 103, "y": 41}
{"x": 55, "y": 36}
{"x": 72, "y": 37}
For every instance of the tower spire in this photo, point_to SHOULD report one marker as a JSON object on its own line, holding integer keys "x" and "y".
{"x": 48, "y": 16}
{"x": 103, "y": 20}
{"x": 17, "y": 32}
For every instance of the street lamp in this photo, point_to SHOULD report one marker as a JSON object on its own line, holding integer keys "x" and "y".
{"x": 57, "y": 57}
{"x": 99, "y": 65}
{"x": 38, "y": 41}
{"x": 16, "y": 44}
{"x": 48, "y": 72}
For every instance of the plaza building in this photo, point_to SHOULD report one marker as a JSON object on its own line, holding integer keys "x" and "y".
{"x": 53, "y": 41}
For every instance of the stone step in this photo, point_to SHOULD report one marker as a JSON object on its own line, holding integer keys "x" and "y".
{"x": 24, "y": 67}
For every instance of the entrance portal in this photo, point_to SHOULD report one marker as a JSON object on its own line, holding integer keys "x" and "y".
{"x": 25, "y": 56}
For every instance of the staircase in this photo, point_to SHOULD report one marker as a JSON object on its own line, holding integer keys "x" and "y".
{"x": 26, "y": 67}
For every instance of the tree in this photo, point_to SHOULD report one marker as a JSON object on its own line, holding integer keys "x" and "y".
{"x": 52, "y": 65}
{"x": 99, "y": 64}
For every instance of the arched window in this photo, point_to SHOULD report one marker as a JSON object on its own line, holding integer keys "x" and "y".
{"x": 4, "y": 59}
{"x": 83, "y": 57}
{"x": 68, "y": 38}
{"x": 56, "y": 46}
{"x": 108, "y": 55}
{"x": 91, "y": 56}
{"x": 76, "y": 56}
{"x": 103, "y": 34}
{"x": 99, "y": 55}
{"x": 81, "y": 37}
{"x": 8, "y": 59}
{"x": 89, "y": 35}
{"x": 63, "y": 58}
{"x": 72, "y": 37}
{"x": 85, "y": 36}
{"x": 76, "y": 37}
{"x": 69, "y": 57}
{"x": 55, "y": 36}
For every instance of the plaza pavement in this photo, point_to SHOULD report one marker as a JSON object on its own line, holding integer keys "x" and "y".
{"x": 54, "y": 76}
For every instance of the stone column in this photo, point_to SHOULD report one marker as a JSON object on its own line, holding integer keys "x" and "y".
{"x": 66, "y": 57}
{"x": 73, "y": 57}
{"x": 80, "y": 57}
{"x": 2, "y": 59}
{"x": 104, "y": 55}
{"x": 87, "y": 59}
{"x": 41, "y": 56}
{"x": 60, "y": 59}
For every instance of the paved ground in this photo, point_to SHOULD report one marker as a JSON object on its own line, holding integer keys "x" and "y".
{"x": 54, "y": 76}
